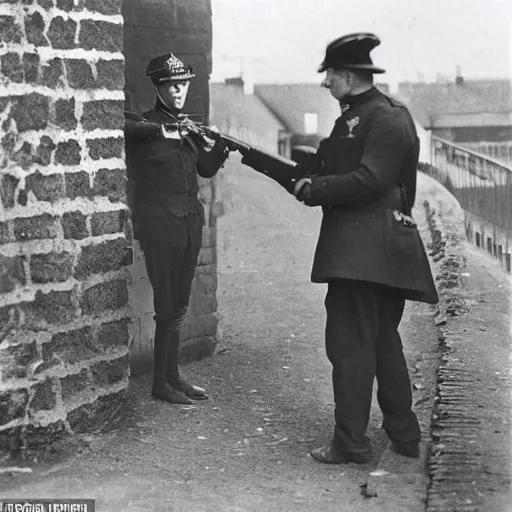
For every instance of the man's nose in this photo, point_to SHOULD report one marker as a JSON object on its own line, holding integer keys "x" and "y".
{"x": 325, "y": 83}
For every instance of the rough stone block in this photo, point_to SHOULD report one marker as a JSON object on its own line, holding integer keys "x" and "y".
{"x": 74, "y": 225}
{"x": 101, "y": 35}
{"x": 8, "y": 189}
{"x": 11, "y": 67}
{"x": 65, "y": 114}
{"x": 103, "y": 115}
{"x": 108, "y": 7}
{"x": 78, "y": 184}
{"x": 113, "y": 335}
{"x": 12, "y": 273}
{"x": 103, "y": 257}
{"x": 10, "y": 31}
{"x": 71, "y": 346}
{"x": 31, "y": 67}
{"x": 13, "y": 404}
{"x": 24, "y": 157}
{"x": 44, "y": 398}
{"x": 34, "y": 29}
{"x": 206, "y": 256}
{"x": 104, "y": 296}
{"x": 79, "y": 74}
{"x": 108, "y": 222}
{"x": 35, "y": 228}
{"x": 45, "y": 4}
{"x": 71, "y": 385}
{"x": 38, "y": 437}
{"x": 31, "y": 112}
{"x": 5, "y": 235}
{"x": 61, "y": 33}
{"x": 44, "y": 151}
{"x": 106, "y": 373}
{"x": 88, "y": 416}
{"x": 68, "y": 153}
{"x": 16, "y": 359}
{"x": 111, "y": 183}
{"x": 108, "y": 147}
{"x": 65, "y": 5}
{"x": 52, "y": 75}
{"x": 110, "y": 74}
{"x": 45, "y": 188}
{"x": 55, "y": 307}
{"x": 51, "y": 268}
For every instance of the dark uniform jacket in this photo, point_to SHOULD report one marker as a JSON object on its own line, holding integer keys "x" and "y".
{"x": 165, "y": 170}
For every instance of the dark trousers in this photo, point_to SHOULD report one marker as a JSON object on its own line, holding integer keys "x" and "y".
{"x": 362, "y": 342}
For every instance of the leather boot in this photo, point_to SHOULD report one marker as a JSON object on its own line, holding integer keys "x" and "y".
{"x": 173, "y": 373}
{"x": 161, "y": 389}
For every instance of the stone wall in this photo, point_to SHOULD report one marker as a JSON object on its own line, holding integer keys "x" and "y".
{"x": 64, "y": 236}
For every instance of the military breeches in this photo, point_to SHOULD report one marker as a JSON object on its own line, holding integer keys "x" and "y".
{"x": 171, "y": 248}
{"x": 362, "y": 341}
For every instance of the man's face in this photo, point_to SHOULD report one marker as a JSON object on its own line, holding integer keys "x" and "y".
{"x": 174, "y": 93}
{"x": 338, "y": 82}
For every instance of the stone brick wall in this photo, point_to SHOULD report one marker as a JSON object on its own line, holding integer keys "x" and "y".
{"x": 64, "y": 238}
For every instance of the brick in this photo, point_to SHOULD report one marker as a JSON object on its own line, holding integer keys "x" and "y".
{"x": 24, "y": 156}
{"x": 110, "y": 74}
{"x": 71, "y": 346}
{"x": 71, "y": 385}
{"x": 101, "y": 35}
{"x": 74, "y": 225}
{"x": 8, "y": 189}
{"x": 104, "y": 296}
{"x": 13, "y": 404}
{"x": 61, "y": 33}
{"x": 78, "y": 184}
{"x": 45, "y": 188}
{"x": 31, "y": 67}
{"x": 44, "y": 398}
{"x": 10, "y": 31}
{"x": 12, "y": 273}
{"x": 65, "y": 5}
{"x": 35, "y": 228}
{"x": 109, "y": 147}
{"x": 11, "y": 67}
{"x": 87, "y": 417}
{"x": 44, "y": 151}
{"x": 113, "y": 335}
{"x": 31, "y": 112}
{"x": 106, "y": 373}
{"x": 52, "y": 75}
{"x": 103, "y": 257}
{"x": 111, "y": 183}
{"x": 65, "y": 117}
{"x": 79, "y": 74}
{"x": 34, "y": 29}
{"x": 68, "y": 153}
{"x": 15, "y": 360}
{"x": 108, "y": 7}
{"x": 55, "y": 307}
{"x": 55, "y": 267}
{"x": 107, "y": 222}
{"x": 103, "y": 115}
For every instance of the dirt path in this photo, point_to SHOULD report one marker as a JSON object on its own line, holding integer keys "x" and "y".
{"x": 246, "y": 449}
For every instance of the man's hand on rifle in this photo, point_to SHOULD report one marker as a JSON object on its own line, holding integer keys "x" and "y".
{"x": 302, "y": 190}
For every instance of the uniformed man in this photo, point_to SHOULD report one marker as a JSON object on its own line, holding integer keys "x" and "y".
{"x": 369, "y": 251}
{"x": 164, "y": 159}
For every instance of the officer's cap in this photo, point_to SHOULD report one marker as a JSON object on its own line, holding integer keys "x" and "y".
{"x": 167, "y": 68}
{"x": 351, "y": 51}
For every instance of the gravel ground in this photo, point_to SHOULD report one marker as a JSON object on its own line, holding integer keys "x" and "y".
{"x": 245, "y": 449}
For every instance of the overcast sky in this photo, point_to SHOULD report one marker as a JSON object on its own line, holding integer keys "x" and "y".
{"x": 284, "y": 40}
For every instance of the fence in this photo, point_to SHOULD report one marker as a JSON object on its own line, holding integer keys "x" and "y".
{"x": 483, "y": 187}
{"x": 501, "y": 151}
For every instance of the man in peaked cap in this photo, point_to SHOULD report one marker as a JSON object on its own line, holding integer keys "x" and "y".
{"x": 368, "y": 252}
{"x": 164, "y": 160}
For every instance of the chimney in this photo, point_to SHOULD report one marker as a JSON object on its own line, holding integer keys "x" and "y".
{"x": 459, "y": 79}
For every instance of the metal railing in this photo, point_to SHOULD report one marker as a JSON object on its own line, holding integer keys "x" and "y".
{"x": 482, "y": 185}
{"x": 501, "y": 151}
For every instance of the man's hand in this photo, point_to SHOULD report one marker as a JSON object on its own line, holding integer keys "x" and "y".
{"x": 302, "y": 190}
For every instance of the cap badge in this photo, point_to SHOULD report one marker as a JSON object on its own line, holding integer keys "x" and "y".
{"x": 351, "y": 124}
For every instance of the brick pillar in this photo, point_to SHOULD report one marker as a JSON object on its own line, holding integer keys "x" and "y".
{"x": 64, "y": 243}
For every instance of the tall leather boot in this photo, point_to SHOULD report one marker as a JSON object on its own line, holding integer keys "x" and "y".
{"x": 173, "y": 374}
{"x": 161, "y": 388}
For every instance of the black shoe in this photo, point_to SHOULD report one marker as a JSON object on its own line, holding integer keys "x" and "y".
{"x": 408, "y": 449}
{"x": 194, "y": 392}
{"x": 170, "y": 395}
{"x": 329, "y": 454}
